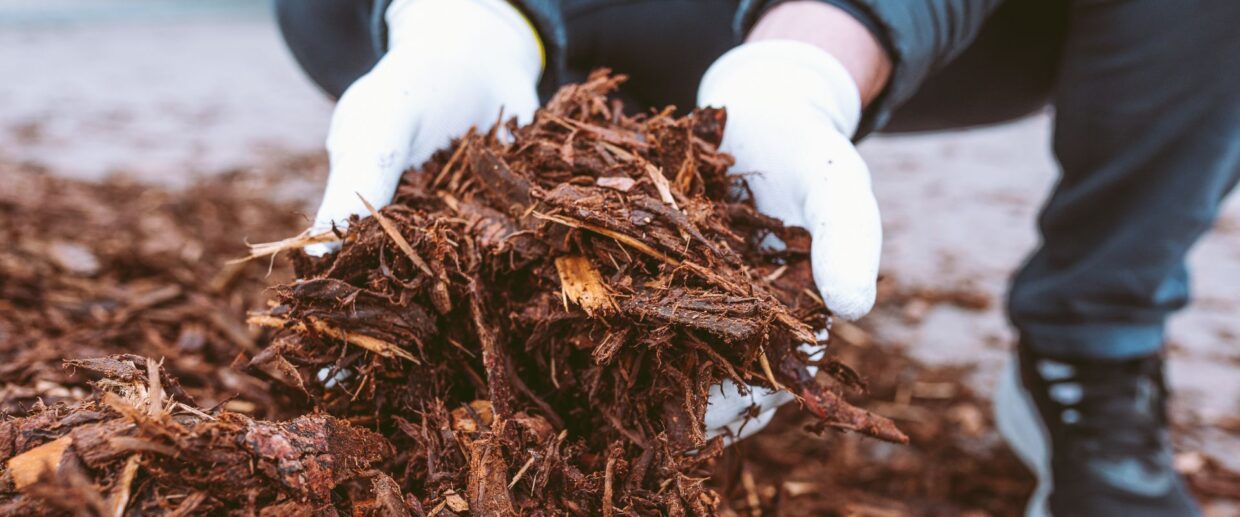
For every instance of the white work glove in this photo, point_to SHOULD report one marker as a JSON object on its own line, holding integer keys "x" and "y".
{"x": 792, "y": 110}
{"x": 451, "y": 65}
{"x": 728, "y": 411}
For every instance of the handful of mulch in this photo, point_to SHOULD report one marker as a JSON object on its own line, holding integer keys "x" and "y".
{"x": 534, "y": 323}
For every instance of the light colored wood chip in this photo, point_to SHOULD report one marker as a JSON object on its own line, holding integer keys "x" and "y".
{"x": 800, "y": 488}
{"x": 852, "y": 334}
{"x": 156, "y": 391}
{"x": 73, "y": 257}
{"x": 609, "y": 474}
{"x": 770, "y": 374}
{"x": 621, "y": 183}
{"x": 130, "y": 443}
{"x": 934, "y": 390}
{"x": 457, "y": 503}
{"x": 661, "y": 184}
{"x": 240, "y": 406}
{"x": 120, "y": 497}
{"x": 26, "y": 467}
{"x": 465, "y": 421}
{"x": 582, "y": 284}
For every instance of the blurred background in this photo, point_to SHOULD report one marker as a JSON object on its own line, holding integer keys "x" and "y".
{"x": 166, "y": 91}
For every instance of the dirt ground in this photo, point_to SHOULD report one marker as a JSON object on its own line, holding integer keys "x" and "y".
{"x": 168, "y": 93}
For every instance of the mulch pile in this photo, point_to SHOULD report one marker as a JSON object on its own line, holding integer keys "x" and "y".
{"x": 120, "y": 267}
{"x": 536, "y": 323}
{"x": 531, "y": 327}
{"x": 97, "y": 278}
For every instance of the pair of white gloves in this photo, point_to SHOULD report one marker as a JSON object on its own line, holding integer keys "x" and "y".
{"x": 792, "y": 108}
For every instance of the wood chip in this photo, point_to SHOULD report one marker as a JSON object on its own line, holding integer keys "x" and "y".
{"x": 620, "y": 183}
{"x": 124, "y": 486}
{"x": 155, "y": 393}
{"x": 581, "y": 284}
{"x": 456, "y": 503}
{"x": 73, "y": 257}
{"x": 661, "y": 184}
{"x": 25, "y": 468}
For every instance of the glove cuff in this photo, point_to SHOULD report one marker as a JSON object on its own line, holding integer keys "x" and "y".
{"x": 784, "y": 73}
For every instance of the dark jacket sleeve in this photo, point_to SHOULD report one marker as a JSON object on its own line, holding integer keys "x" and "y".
{"x": 332, "y": 40}
{"x": 920, "y": 35}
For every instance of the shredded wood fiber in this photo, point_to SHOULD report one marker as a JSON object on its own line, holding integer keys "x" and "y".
{"x": 547, "y": 313}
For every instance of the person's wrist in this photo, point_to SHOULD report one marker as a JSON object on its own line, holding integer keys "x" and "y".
{"x": 836, "y": 32}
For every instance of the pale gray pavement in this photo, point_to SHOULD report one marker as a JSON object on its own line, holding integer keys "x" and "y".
{"x": 160, "y": 89}
{"x": 89, "y": 87}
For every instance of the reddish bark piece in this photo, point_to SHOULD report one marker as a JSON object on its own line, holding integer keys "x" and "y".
{"x": 311, "y": 454}
{"x": 488, "y": 479}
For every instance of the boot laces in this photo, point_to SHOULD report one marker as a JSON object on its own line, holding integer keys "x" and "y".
{"x": 1109, "y": 408}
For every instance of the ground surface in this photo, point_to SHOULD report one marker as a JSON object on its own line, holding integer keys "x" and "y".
{"x": 164, "y": 92}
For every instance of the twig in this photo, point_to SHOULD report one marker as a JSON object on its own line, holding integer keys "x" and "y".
{"x": 401, "y": 243}
{"x": 460, "y": 150}
{"x": 766, "y": 369}
{"x": 609, "y": 474}
{"x": 301, "y": 240}
{"x": 372, "y": 344}
{"x": 521, "y": 472}
{"x": 156, "y": 394}
{"x": 624, "y": 239}
{"x": 660, "y": 184}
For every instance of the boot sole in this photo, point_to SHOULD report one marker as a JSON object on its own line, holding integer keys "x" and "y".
{"x": 1019, "y": 424}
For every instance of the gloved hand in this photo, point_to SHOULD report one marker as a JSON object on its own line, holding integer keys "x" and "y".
{"x": 792, "y": 110}
{"x": 732, "y": 414}
{"x": 451, "y": 64}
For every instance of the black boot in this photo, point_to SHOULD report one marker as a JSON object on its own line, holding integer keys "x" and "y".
{"x": 1095, "y": 434}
